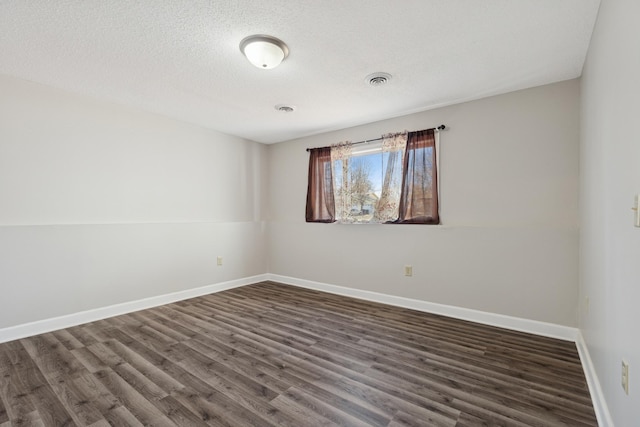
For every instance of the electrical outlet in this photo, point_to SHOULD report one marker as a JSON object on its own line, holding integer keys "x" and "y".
{"x": 625, "y": 376}
{"x": 408, "y": 270}
{"x": 219, "y": 261}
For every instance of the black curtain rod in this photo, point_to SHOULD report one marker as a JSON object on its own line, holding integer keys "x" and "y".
{"x": 441, "y": 127}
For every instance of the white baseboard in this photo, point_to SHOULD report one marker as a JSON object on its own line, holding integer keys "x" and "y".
{"x": 597, "y": 396}
{"x": 47, "y": 325}
{"x": 514, "y": 323}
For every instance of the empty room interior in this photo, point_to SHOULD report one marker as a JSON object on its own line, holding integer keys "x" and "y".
{"x": 184, "y": 239}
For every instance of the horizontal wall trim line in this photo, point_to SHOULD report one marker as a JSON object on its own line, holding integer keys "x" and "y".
{"x": 442, "y": 226}
{"x": 551, "y": 330}
{"x": 47, "y": 325}
{"x": 82, "y": 224}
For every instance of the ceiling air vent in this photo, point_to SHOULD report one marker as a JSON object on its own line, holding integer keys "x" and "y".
{"x": 378, "y": 79}
{"x": 285, "y": 108}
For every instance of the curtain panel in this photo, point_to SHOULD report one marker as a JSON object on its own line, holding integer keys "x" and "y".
{"x": 388, "y": 203}
{"x": 320, "y": 199}
{"x": 419, "y": 191}
{"x": 340, "y": 155}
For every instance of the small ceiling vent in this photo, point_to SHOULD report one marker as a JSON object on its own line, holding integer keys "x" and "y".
{"x": 378, "y": 79}
{"x": 285, "y": 108}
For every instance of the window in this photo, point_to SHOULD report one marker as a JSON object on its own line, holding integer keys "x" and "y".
{"x": 391, "y": 181}
{"x": 361, "y": 174}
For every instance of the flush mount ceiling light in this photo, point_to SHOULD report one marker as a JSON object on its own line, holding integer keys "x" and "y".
{"x": 263, "y": 51}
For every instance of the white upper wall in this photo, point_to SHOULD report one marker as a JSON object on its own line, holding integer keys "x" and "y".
{"x": 609, "y": 181}
{"x": 70, "y": 159}
{"x": 509, "y": 185}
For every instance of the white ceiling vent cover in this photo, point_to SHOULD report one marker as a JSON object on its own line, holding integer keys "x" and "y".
{"x": 378, "y": 79}
{"x": 283, "y": 108}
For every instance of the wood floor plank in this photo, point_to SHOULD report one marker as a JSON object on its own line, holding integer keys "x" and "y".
{"x": 67, "y": 339}
{"x": 32, "y": 419}
{"x": 154, "y": 374}
{"x": 121, "y": 416}
{"x": 240, "y": 363}
{"x": 270, "y": 354}
{"x": 339, "y": 416}
{"x": 216, "y": 409}
{"x": 81, "y": 334}
{"x": 4, "y": 416}
{"x": 52, "y": 358}
{"x": 141, "y": 408}
{"x": 74, "y": 400}
{"x": 89, "y": 360}
{"x": 243, "y": 390}
{"x": 179, "y": 414}
{"x": 27, "y": 393}
{"x": 402, "y": 419}
{"x": 15, "y": 394}
{"x": 297, "y": 410}
{"x": 95, "y": 393}
{"x": 140, "y": 383}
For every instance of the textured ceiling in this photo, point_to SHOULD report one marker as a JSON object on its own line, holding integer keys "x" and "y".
{"x": 180, "y": 58}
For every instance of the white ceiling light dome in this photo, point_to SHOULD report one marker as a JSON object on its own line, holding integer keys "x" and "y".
{"x": 264, "y": 51}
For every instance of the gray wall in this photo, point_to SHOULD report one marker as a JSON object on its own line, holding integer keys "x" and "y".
{"x": 610, "y": 178}
{"x": 100, "y": 204}
{"x": 509, "y": 207}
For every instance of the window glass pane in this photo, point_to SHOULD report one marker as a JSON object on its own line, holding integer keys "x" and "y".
{"x": 365, "y": 184}
{"x": 359, "y": 185}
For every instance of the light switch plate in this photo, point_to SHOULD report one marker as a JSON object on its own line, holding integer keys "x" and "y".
{"x": 625, "y": 376}
{"x": 636, "y": 209}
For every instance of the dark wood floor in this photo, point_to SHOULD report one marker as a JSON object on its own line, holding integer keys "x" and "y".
{"x": 270, "y": 354}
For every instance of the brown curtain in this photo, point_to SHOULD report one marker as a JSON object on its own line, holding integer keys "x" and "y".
{"x": 320, "y": 201}
{"x": 419, "y": 191}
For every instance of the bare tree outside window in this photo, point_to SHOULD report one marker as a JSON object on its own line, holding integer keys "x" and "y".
{"x": 361, "y": 185}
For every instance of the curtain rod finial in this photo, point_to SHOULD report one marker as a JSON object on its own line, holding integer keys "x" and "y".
{"x": 442, "y": 127}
